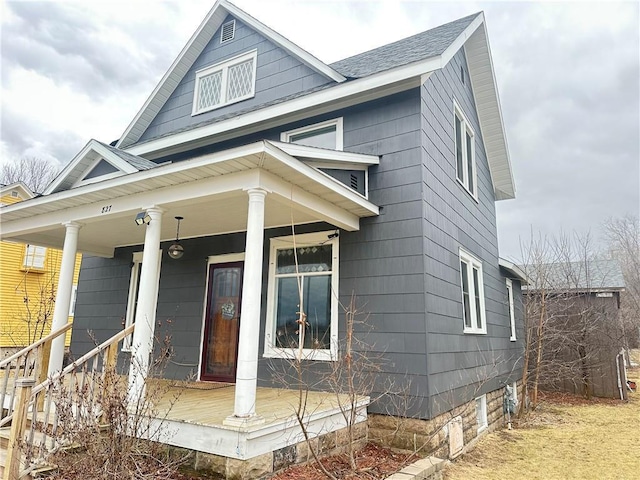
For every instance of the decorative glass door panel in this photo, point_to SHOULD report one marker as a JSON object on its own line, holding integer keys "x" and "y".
{"x": 222, "y": 322}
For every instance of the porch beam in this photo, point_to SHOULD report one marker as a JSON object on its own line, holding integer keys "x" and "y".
{"x": 145, "y": 319}
{"x": 309, "y": 203}
{"x": 247, "y": 368}
{"x": 63, "y": 296}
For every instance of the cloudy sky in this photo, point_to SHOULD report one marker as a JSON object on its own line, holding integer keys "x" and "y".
{"x": 568, "y": 76}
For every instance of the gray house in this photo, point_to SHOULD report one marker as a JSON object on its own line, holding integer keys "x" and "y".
{"x": 297, "y": 182}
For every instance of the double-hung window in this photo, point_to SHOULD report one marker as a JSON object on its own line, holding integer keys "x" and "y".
{"x": 322, "y": 135}
{"x": 473, "y": 310}
{"x": 302, "y": 304}
{"x": 512, "y": 317}
{"x": 34, "y": 257}
{"x": 465, "y": 151}
{"x": 225, "y": 83}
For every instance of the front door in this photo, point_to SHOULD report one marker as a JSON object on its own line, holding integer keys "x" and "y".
{"x": 222, "y": 322}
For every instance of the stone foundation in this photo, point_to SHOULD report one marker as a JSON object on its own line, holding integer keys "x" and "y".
{"x": 268, "y": 463}
{"x": 431, "y": 437}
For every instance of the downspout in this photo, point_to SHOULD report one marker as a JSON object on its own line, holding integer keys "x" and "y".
{"x": 618, "y": 374}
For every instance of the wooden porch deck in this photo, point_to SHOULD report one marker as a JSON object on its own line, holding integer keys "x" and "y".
{"x": 210, "y": 403}
{"x": 192, "y": 416}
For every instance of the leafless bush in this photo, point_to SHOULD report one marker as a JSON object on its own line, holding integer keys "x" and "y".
{"x": 102, "y": 434}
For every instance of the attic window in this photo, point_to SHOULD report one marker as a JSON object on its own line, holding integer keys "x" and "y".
{"x": 228, "y": 31}
{"x": 225, "y": 83}
{"x": 14, "y": 194}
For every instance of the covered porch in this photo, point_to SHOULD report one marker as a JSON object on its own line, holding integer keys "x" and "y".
{"x": 265, "y": 185}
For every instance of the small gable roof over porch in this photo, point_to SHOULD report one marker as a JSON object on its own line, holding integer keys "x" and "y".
{"x": 208, "y": 191}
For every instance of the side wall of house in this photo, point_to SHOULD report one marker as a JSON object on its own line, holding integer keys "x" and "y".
{"x": 459, "y": 364}
{"x": 278, "y": 75}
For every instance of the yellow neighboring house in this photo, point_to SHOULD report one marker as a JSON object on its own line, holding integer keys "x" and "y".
{"x": 28, "y": 284}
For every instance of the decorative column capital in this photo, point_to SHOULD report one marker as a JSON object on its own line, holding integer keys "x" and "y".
{"x": 256, "y": 193}
{"x": 73, "y": 225}
{"x": 154, "y": 209}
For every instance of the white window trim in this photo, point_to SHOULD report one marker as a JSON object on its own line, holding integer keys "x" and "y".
{"x": 472, "y": 262}
{"x": 28, "y": 261}
{"x": 482, "y": 420}
{"x": 72, "y": 303}
{"x": 133, "y": 282}
{"x": 512, "y": 315}
{"x": 338, "y": 122}
{"x": 309, "y": 239}
{"x": 466, "y": 127}
{"x": 224, "y": 67}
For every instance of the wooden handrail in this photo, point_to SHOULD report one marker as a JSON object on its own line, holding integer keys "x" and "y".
{"x": 86, "y": 357}
{"x": 35, "y": 345}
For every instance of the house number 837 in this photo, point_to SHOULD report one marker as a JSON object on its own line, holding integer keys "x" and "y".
{"x": 106, "y": 208}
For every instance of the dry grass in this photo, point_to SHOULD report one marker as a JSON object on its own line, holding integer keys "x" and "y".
{"x": 563, "y": 440}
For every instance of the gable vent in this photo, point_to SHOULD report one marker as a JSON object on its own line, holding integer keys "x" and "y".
{"x": 354, "y": 182}
{"x": 228, "y": 31}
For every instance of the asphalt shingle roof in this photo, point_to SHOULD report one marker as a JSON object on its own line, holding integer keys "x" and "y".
{"x": 408, "y": 50}
{"x": 590, "y": 275}
{"x": 417, "y": 47}
{"x": 133, "y": 160}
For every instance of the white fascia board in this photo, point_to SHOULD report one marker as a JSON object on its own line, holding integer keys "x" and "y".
{"x": 98, "y": 148}
{"x": 68, "y": 169}
{"x": 490, "y": 116}
{"x": 309, "y": 202}
{"x": 194, "y": 47}
{"x": 289, "y": 46}
{"x": 325, "y": 154}
{"x": 357, "y": 89}
{"x": 321, "y": 177}
{"x": 112, "y": 158}
{"x": 459, "y": 42}
{"x": 513, "y": 269}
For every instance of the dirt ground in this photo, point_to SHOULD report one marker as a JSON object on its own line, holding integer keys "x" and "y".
{"x": 566, "y": 438}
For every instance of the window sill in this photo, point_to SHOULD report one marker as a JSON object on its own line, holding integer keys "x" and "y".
{"x": 474, "y": 332}
{"x": 307, "y": 354}
{"x": 469, "y": 192}
{"x": 221, "y": 105}
{"x": 32, "y": 270}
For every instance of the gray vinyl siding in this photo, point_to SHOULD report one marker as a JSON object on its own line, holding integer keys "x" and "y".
{"x": 460, "y": 366}
{"x": 402, "y": 266}
{"x": 278, "y": 75}
{"x": 381, "y": 263}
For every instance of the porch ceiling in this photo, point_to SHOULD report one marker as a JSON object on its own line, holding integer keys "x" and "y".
{"x": 208, "y": 191}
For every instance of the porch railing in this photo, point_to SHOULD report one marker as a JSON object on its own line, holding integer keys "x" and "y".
{"x": 30, "y": 362}
{"x": 77, "y": 390}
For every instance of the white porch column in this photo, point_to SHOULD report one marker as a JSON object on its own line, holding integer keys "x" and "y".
{"x": 63, "y": 296}
{"x": 247, "y": 368}
{"x": 145, "y": 319}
